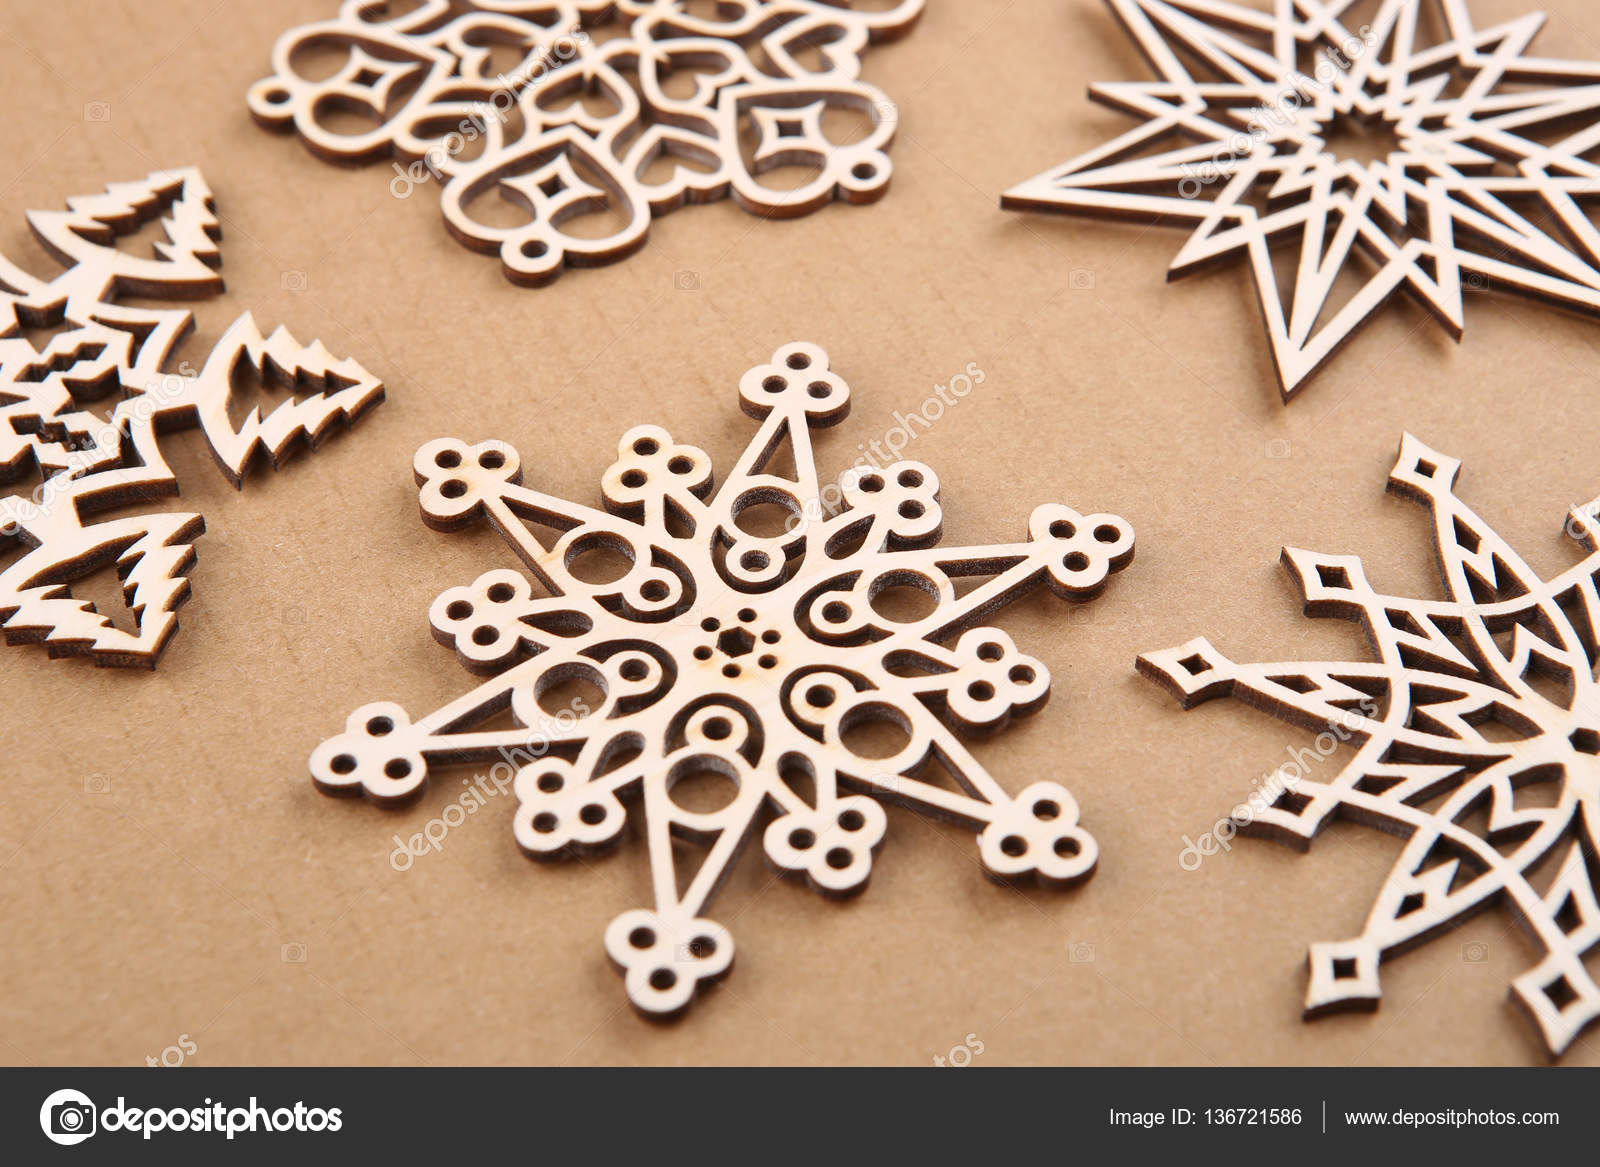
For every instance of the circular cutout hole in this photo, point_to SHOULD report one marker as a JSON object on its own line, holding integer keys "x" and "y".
{"x": 654, "y": 590}
{"x": 718, "y": 728}
{"x": 1021, "y": 675}
{"x": 1014, "y": 845}
{"x": 802, "y": 839}
{"x": 702, "y": 653}
{"x": 681, "y": 465}
{"x": 838, "y": 859}
{"x": 770, "y": 636}
{"x": 747, "y": 614}
{"x": 634, "y": 479}
{"x": 836, "y": 612}
{"x": 551, "y": 782}
{"x": 730, "y": 671}
{"x": 645, "y": 447}
{"x": 911, "y": 510}
{"x": 634, "y": 670}
{"x": 379, "y": 726}
{"x": 710, "y": 624}
{"x": 904, "y": 604}
{"x": 663, "y": 979}
{"x": 454, "y": 488}
{"x": 544, "y": 822}
{"x": 872, "y": 484}
{"x": 342, "y": 764}
{"x": 798, "y": 361}
{"x": 910, "y": 478}
{"x": 579, "y": 695}
{"x": 593, "y": 814}
{"x": 502, "y": 593}
{"x": 1077, "y": 561}
{"x": 764, "y": 520}
{"x": 448, "y": 459}
{"x": 599, "y": 564}
{"x": 1061, "y": 529}
{"x": 767, "y": 661}
{"x": 819, "y": 390}
{"x": 642, "y": 937}
{"x": 397, "y": 768}
{"x": 1106, "y": 533}
{"x": 754, "y": 560}
{"x": 820, "y": 695}
{"x": 990, "y": 651}
{"x": 484, "y": 635}
{"x": 864, "y": 171}
{"x": 702, "y": 946}
{"x": 1046, "y": 809}
{"x": 775, "y": 384}
{"x": 460, "y": 610}
{"x": 1067, "y": 847}
{"x": 491, "y": 459}
{"x": 703, "y": 792}
{"x": 875, "y": 737}
{"x": 980, "y": 691}
{"x": 852, "y": 820}
{"x": 535, "y": 248}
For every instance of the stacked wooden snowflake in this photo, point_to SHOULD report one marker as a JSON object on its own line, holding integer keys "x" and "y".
{"x": 749, "y": 655}
{"x": 614, "y": 112}
{"x": 89, "y": 461}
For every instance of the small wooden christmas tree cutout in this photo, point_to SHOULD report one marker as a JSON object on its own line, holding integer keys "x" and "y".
{"x": 1487, "y": 187}
{"x": 1481, "y": 704}
{"x": 89, "y": 462}
{"x": 578, "y": 128}
{"x": 751, "y": 657}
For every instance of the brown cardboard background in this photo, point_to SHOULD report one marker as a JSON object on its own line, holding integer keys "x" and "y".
{"x": 161, "y": 907}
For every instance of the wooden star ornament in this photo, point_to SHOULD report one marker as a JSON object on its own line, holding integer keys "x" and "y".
{"x": 1485, "y": 185}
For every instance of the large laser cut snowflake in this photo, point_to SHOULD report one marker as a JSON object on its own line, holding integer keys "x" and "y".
{"x": 1487, "y": 186}
{"x": 751, "y": 656}
{"x": 1478, "y": 734}
{"x": 65, "y": 345}
{"x": 617, "y": 110}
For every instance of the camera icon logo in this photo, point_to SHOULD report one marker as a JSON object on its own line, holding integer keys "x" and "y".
{"x": 293, "y": 953}
{"x": 686, "y": 280}
{"x": 1474, "y": 952}
{"x": 67, "y": 1117}
{"x": 1081, "y": 953}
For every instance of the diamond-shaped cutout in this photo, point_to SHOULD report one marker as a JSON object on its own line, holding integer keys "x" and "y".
{"x": 736, "y": 642}
{"x": 1585, "y": 741}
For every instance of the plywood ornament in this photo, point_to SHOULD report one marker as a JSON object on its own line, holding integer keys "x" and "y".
{"x": 90, "y": 459}
{"x": 749, "y": 656}
{"x": 1485, "y": 183}
{"x": 613, "y": 113}
{"x": 1477, "y": 737}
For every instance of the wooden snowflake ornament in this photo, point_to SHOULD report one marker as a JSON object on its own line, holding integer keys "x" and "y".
{"x": 1488, "y": 183}
{"x": 89, "y": 460}
{"x": 1478, "y": 740}
{"x": 728, "y": 650}
{"x": 615, "y": 112}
